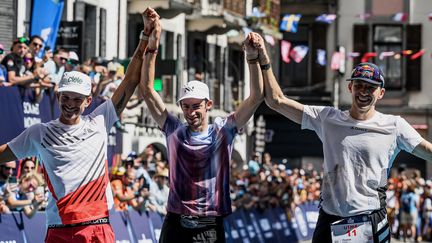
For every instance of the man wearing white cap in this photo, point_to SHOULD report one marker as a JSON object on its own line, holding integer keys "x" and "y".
{"x": 73, "y": 150}
{"x": 72, "y": 62}
{"x": 199, "y": 153}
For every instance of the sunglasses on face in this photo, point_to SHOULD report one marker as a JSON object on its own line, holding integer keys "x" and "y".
{"x": 63, "y": 59}
{"x": 28, "y": 59}
{"x": 22, "y": 40}
{"x": 1, "y": 51}
{"x": 37, "y": 44}
{"x": 8, "y": 168}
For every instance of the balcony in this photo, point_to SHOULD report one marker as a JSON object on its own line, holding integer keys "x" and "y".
{"x": 165, "y": 8}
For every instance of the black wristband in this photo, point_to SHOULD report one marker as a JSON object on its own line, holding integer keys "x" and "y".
{"x": 265, "y": 66}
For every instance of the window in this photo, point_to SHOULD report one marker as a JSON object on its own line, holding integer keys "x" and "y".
{"x": 386, "y": 39}
{"x": 400, "y": 74}
{"x": 308, "y": 72}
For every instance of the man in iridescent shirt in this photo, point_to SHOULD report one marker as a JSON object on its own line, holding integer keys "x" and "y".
{"x": 199, "y": 153}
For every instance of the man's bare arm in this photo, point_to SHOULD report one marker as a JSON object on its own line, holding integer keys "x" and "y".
{"x": 133, "y": 74}
{"x": 153, "y": 100}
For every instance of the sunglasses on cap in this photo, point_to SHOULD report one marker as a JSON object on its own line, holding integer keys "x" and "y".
{"x": 21, "y": 40}
{"x": 72, "y": 62}
{"x": 1, "y": 51}
{"x": 28, "y": 59}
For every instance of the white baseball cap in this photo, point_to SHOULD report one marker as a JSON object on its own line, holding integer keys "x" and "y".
{"x": 73, "y": 56}
{"x": 76, "y": 82}
{"x": 194, "y": 89}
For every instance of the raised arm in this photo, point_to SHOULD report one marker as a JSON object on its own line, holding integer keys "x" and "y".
{"x": 132, "y": 77}
{"x": 153, "y": 100}
{"x": 247, "y": 108}
{"x": 273, "y": 94}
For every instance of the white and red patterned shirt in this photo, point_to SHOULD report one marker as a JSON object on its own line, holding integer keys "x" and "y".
{"x": 75, "y": 162}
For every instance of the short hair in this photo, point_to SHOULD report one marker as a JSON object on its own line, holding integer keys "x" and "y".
{"x": 36, "y": 37}
{"x": 60, "y": 50}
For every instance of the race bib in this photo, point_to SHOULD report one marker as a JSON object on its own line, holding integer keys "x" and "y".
{"x": 356, "y": 229}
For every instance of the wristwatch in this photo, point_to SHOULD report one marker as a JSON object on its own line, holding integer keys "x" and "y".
{"x": 265, "y": 66}
{"x": 152, "y": 51}
{"x": 143, "y": 36}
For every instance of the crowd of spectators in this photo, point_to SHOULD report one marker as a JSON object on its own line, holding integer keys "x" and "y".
{"x": 409, "y": 205}
{"x": 264, "y": 184}
{"x": 140, "y": 182}
{"x": 30, "y": 64}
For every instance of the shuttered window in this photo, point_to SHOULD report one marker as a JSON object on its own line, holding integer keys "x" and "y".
{"x": 308, "y": 72}
{"x": 7, "y": 22}
{"x": 400, "y": 73}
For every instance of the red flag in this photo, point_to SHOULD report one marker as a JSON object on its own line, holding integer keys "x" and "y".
{"x": 417, "y": 54}
{"x": 285, "y": 48}
{"x": 367, "y": 56}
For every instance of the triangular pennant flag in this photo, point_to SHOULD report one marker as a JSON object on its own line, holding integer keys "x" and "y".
{"x": 417, "y": 54}
{"x": 289, "y": 22}
{"x": 326, "y": 18}
{"x": 386, "y": 54}
{"x": 407, "y": 52}
{"x": 367, "y": 56}
{"x": 353, "y": 54}
{"x": 285, "y": 48}
{"x": 321, "y": 57}
{"x": 335, "y": 61}
{"x": 298, "y": 53}
{"x": 270, "y": 39}
{"x": 400, "y": 17}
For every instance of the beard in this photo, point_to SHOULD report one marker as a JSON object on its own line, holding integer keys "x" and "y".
{"x": 195, "y": 122}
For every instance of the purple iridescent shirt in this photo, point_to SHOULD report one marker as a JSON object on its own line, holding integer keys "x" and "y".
{"x": 199, "y": 167}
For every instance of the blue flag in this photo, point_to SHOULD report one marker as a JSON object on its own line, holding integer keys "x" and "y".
{"x": 45, "y": 20}
{"x": 289, "y": 22}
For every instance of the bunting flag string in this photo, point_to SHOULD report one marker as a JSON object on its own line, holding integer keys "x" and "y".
{"x": 297, "y": 53}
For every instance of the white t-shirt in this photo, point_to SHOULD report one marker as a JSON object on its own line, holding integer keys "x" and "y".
{"x": 357, "y": 156}
{"x": 75, "y": 162}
